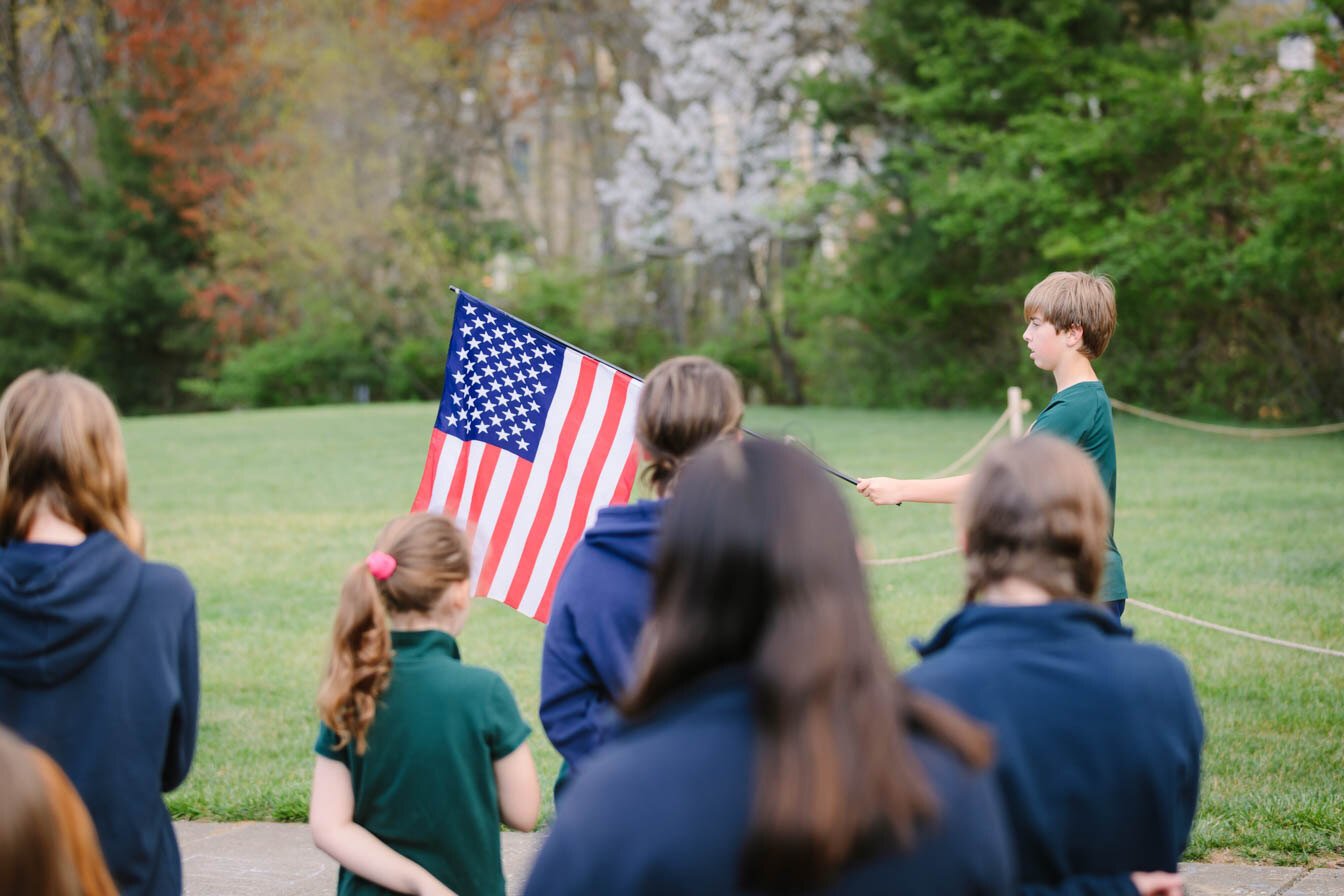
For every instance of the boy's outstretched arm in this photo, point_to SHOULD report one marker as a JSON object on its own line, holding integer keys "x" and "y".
{"x": 884, "y": 490}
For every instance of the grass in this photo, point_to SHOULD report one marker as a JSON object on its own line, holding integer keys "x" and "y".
{"x": 266, "y": 510}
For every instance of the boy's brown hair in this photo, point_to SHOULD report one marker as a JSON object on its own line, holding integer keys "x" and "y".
{"x": 1069, "y": 298}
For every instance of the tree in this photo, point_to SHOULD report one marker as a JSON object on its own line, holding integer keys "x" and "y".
{"x": 1027, "y": 136}
{"x": 191, "y": 73}
{"x": 98, "y": 286}
{"x": 720, "y": 152}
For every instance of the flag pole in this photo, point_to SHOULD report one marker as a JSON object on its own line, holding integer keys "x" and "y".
{"x": 457, "y": 291}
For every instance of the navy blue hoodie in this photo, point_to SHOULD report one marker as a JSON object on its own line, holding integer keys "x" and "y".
{"x": 98, "y": 667}
{"x": 1098, "y": 738}
{"x": 600, "y": 605}
{"x": 664, "y": 809}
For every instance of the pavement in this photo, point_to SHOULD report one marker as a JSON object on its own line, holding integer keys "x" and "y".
{"x": 263, "y": 859}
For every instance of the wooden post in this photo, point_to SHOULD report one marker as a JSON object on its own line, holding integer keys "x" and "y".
{"x": 1015, "y": 409}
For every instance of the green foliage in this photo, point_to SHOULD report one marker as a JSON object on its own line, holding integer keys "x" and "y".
{"x": 98, "y": 287}
{"x": 1032, "y": 136}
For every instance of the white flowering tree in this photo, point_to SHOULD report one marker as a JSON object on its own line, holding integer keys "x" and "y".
{"x": 721, "y": 150}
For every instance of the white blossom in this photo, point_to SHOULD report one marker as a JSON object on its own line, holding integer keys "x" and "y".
{"x": 722, "y": 146}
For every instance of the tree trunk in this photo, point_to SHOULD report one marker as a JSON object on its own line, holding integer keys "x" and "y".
{"x": 759, "y": 270}
{"x": 11, "y": 70}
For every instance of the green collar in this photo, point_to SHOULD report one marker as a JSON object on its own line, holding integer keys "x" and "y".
{"x": 424, "y": 643}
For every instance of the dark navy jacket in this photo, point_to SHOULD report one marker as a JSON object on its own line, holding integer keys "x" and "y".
{"x": 98, "y": 667}
{"x": 1098, "y": 737}
{"x": 664, "y": 809}
{"x": 600, "y": 605}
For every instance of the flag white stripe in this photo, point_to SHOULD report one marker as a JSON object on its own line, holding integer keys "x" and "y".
{"x": 443, "y": 472}
{"x": 549, "y": 550}
{"x": 494, "y": 502}
{"x": 474, "y": 452}
{"x": 616, "y": 458}
{"x": 541, "y": 471}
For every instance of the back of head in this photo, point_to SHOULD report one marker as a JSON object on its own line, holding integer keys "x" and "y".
{"x": 61, "y": 449}
{"x": 1075, "y": 298}
{"x": 686, "y": 402}
{"x": 427, "y": 554}
{"x": 758, "y": 567}
{"x": 1035, "y": 510}
{"x": 34, "y": 859}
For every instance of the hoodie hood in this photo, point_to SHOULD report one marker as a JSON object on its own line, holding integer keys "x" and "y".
{"x": 627, "y": 532}
{"x": 55, "y": 621}
{"x": 1030, "y": 625}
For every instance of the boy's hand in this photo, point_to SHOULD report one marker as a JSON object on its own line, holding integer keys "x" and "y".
{"x": 881, "y": 490}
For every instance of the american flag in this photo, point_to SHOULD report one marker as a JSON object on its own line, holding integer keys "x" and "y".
{"x": 531, "y": 439}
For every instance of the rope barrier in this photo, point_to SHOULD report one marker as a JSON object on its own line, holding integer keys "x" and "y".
{"x": 917, "y": 558}
{"x": 1228, "y": 630}
{"x": 1244, "y": 432}
{"x": 975, "y": 449}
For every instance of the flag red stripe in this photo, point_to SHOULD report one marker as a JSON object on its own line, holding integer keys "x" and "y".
{"x": 555, "y": 477}
{"x": 453, "y": 500}
{"x": 583, "y": 500}
{"x": 627, "y": 481}
{"x": 484, "y": 473}
{"x": 422, "y": 494}
{"x": 513, "y": 499}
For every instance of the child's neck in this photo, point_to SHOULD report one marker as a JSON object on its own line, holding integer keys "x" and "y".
{"x": 48, "y": 528}
{"x": 1073, "y": 368}
{"x": 1014, "y": 592}
{"x": 425, "y": 622}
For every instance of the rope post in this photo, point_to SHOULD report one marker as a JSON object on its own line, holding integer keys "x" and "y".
{"x": 1016, "y": 407}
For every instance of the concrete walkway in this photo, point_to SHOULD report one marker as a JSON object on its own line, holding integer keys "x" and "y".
{"x": 261, "y": 859}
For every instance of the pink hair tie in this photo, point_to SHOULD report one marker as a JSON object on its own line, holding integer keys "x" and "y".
{"x": 381, "y": 564}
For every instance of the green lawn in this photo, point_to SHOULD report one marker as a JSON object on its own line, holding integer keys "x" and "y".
{"x": 265, "y": 511}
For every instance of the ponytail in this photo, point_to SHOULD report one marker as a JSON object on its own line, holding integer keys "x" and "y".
{"x": 361, "y": 661}
{"x": 415, "y": 559}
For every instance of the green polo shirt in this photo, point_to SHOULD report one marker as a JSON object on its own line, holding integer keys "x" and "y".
{"x": 425, "y": 785}
{"x": 1081, "y": 414}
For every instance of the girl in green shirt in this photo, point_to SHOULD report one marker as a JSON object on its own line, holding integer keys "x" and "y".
{"x": 420, "y": 757}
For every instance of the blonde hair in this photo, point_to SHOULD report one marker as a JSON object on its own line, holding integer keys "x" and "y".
{"x": 431, "y": 554}
{"x": 48, "y": 846}
{"x": 1035, "y": 510}
{"x": 1075, "y": 298}
{"x": 686, "y": 402}
{"x": 61, "y": 449}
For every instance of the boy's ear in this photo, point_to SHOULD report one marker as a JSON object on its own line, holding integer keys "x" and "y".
{"x": 1074, "y": 335}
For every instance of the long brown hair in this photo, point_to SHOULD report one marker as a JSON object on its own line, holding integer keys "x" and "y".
{"x": 61, "y": 448}
{"x": 686, "y": 402}
{"x": 431, "y": 554}
{"x": 48, "y": 846}
{"x": 1035, "y": 510}
{"x": 758, "y": 566}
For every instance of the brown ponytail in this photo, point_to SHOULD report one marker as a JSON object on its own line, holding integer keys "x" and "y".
{"x": 430, "y": 554}
{"x": 686, "y": 402}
